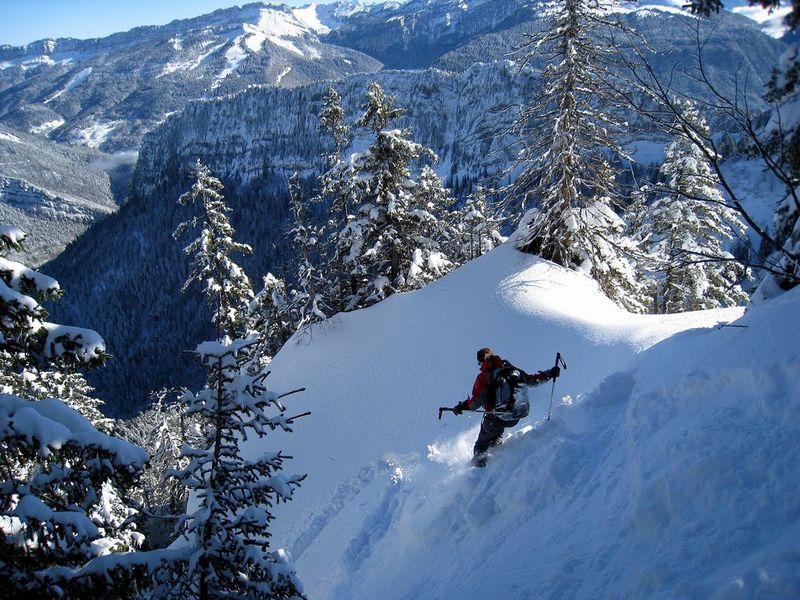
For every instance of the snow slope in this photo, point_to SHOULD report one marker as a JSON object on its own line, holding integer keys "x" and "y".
{"x": 670, "y": 465}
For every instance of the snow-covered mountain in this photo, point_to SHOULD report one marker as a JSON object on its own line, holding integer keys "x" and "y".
{"x": 414, "y": 34}
{"x": 669, "y": 468}
{"x": 54, "y": 192}
{"x": 455, "y": 108}
{"x": 108, "y": 92}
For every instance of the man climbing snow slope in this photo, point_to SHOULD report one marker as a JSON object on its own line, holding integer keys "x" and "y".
{"x": 499, "y": 390}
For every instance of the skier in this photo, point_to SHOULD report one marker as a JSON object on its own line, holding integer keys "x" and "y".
{"x": 493, "y": 425}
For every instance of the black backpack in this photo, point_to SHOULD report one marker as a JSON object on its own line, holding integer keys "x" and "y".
{"x": 510, "y": 389}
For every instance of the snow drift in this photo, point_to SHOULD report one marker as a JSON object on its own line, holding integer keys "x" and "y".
{"x": 670, "y": 466}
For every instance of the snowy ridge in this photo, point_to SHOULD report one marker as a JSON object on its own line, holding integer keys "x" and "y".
{"x": 649, "y": 419}
{"x": 772, "y": 22}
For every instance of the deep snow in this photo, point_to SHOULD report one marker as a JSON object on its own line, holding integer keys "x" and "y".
{"x": 670, "y": 466}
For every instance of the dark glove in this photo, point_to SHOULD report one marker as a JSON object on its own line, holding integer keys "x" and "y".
{"x": 554, "y": 372}
{"x": 460, "y": 407}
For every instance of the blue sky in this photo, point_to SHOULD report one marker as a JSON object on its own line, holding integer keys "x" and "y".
{"x": 24, "y": 21}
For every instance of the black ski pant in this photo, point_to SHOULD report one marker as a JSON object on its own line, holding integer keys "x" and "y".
{"x": 492, "y": 428}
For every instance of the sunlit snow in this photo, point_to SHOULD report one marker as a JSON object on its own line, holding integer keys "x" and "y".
{"x": 276, "y": 26}
{"x": 9, "y": 137}
{"x": 598, "y": 502}
{"x": 308, "y": 17}
{"x": 193, "y": 61}
{"x": 283, "y": 74}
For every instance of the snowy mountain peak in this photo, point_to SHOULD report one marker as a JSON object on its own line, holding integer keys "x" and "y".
{"x": 294, "y": 30}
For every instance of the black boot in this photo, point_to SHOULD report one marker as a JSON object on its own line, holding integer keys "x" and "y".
{"x": 479, "y": 460}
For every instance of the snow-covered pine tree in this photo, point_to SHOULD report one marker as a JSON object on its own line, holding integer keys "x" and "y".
{"x": 783, "y": 130}
{"x": 564, "y": 163}
{"x": 773, "y": 145}
{"x": 331, "y": 120}
{"x": 787, "y": 227}
{"x": 161, "y": 430}
{"x": 226, "y": 529}
{"x": 689, "y": 226}
{"x": 41, "y": 360}
{"x": 649, "y": 263}
{"x": 308, "y": 301}
{"x": 61, "y": 495}
{"x": 383, "y": 240}
{"x": 340, "y": 189}
{"x": 478, "y": 228}
{"x": 430, "y": 230}
{"x": 271, "y": 318}
{"x": 226, "y": 284}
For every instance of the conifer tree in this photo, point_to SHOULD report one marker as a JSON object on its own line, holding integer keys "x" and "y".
{"x": 774, "y": 145}
{"x": 226, "y": 284}
{"x": 226, "y": 532}
{"x": 650, "y": 263}
{"x": 41, "y": 360}
{"x": 341, "y": 189}
{"x": 331, "y": 120}
{"x": 688, "y": 228}
{"x": 429, "y": 230}
{"x": 161, "y": 430}
{"x": 783, "y": 91}
{"x": 432, "y": 196}
{"x": 388, "y": 253}
{"x": 478, "y": 228}
{"x": 385, "y": 170}
{"x": 565, "y": 168}
{"x": 63, "y": 483}
{"x": 309, "y": 302}
{"x": 271, "y": 319}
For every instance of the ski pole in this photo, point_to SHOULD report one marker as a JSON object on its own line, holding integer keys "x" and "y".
{"x": 477, "y": 410}
{"x": 559, "y": 363}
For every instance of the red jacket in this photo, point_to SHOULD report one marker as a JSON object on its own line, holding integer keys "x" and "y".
{"x": 481, "y": 392}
